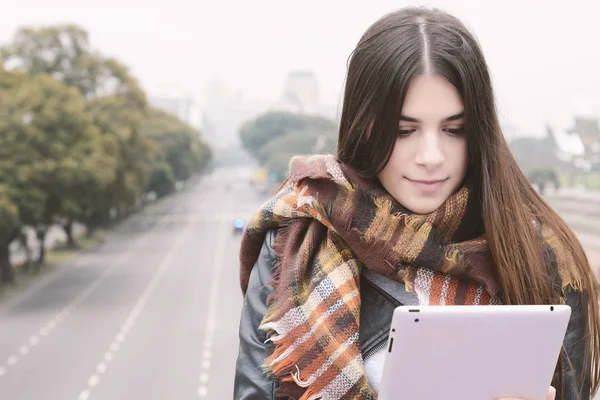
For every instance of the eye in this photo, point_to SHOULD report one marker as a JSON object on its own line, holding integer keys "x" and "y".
{"x": 455, "y": 131}
{"x": 405, "y": 132}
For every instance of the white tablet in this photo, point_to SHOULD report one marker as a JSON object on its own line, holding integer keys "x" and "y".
{"x": 473, "y": 352}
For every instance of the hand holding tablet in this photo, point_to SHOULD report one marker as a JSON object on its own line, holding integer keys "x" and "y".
{"x": 551, "y": 395}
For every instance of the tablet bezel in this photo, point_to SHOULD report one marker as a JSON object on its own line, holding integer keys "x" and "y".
{"x": 473, "y": 352}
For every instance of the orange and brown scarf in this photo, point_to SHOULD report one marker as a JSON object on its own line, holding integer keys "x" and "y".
{"x": 331, "y": 223}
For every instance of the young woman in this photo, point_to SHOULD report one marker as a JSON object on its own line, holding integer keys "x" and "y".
{"x": 423, "y": 203}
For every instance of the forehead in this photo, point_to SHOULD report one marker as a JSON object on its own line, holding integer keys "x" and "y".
{"x": 431, "y": 97}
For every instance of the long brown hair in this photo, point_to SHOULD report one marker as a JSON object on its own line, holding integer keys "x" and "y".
{"x": 398, "y": 48}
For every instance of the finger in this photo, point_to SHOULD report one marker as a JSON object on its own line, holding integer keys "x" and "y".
{"x": 551, "y": 395}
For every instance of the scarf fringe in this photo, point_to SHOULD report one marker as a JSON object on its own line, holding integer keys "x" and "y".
{"x": 284, "y": 367}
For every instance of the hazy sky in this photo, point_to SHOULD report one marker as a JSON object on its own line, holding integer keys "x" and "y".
{"x": 544, "y": 55}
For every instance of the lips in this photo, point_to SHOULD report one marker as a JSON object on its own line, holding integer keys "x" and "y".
{"x": 429, "y": 185}
{"x": 427, "y": 182}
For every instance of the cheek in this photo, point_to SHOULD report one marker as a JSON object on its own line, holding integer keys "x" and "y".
{"x": 458, "y": 151}
{"x": 399, "y": 156}
{"x": 462, "y": 159}
{"x": 392, "y": 171}
{"x": 465, "y": 153}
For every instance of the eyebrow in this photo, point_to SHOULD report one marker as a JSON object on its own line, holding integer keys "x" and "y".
{"x": 454, "y": 117}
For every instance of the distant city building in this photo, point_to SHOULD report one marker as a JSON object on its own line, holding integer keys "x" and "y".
{"x": 588, "y": 131}
{"x": 579, "y": 145}
{"x": 510, "y": 131}
{"x": 225, "y": 109}
{"x": 300, "y": 93}
{"x": 179, "y": 107}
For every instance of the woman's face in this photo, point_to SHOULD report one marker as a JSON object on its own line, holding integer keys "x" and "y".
{"x": 430, "y": 156}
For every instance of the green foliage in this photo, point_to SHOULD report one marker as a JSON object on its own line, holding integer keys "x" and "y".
{"x": 64, "y": 52}
{"x": 162, "y": 181}
{"x": 119, "y": 121}
{"x": 77, "y": 137}
{"x": 9, "y": 216}
{"x": 274, "y": 138}
{"x": 278, "y": 152}
{"x": 590, "y": 180}
{"x": 255, "y": 134}
{"x": 543, "y": 175}
{"x": 178, "y": 144}
{"x": 51, "y": 151}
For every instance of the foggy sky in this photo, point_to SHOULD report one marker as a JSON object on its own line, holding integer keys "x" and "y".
{"x": 544, "y": 55}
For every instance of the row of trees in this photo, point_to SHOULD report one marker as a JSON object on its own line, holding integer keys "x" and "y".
{"x": 275, "y": 137}
{"x": 78, "y": 139}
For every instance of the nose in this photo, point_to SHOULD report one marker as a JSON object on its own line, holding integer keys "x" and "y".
{"x": 429, "y": 153}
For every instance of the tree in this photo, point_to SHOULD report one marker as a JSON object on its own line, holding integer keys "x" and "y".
{"x": 60, "y": 51}
{"x": 52, "y": 152}
{"x": 278, "y": 152}
{"x": 274, "y": 138}
{"x": 255, "y": 134}
{"x": 77, "y": 137}
{"x": 9, "y": 225}
{"x": 180, "y": 152}
{"x": 115, "y": 99}
{"x": 64, "y": 52}
{"x": 162, "y": 181}
{"x": 120, "y": 121}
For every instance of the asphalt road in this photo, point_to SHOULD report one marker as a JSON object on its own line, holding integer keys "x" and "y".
{"x": 151, "y": 314}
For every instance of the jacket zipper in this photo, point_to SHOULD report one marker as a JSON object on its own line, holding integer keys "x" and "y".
{"x": 375, "y": 349}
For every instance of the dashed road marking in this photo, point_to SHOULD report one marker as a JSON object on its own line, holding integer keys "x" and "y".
{"x": 129, "y": 323}
{"x": 49, "y": 327}
{"x": 212, "y": 311}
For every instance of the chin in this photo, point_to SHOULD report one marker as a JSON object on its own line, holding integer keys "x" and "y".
{"x": 422, "y": 206}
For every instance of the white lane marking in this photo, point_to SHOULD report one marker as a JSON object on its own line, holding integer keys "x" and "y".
{"x": 211, "y": 324}
{"x": 204, "y": 378}
{"x": 202, "y": 391}
{"x": 2, "y": 371}
{"x": 12, "y": 361}
{"x": 101, "y": 368}
{"x": 85, "y": 293}
{"x": 93, "y": 381}
{"x": 164, "y": 266}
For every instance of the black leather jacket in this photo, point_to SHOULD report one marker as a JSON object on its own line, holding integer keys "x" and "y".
{"x": 378, "y": 301}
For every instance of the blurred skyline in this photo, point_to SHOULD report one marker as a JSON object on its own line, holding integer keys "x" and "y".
{"x": 543, "y": 55}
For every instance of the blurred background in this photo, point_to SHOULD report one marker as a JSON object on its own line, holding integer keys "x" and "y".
{"x": 138, "y": 137}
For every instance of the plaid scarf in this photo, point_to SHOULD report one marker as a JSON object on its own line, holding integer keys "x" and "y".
{"x": 331, "y": 223}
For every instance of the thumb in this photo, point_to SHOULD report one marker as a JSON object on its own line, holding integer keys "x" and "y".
{"x": 551, "y": 393}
